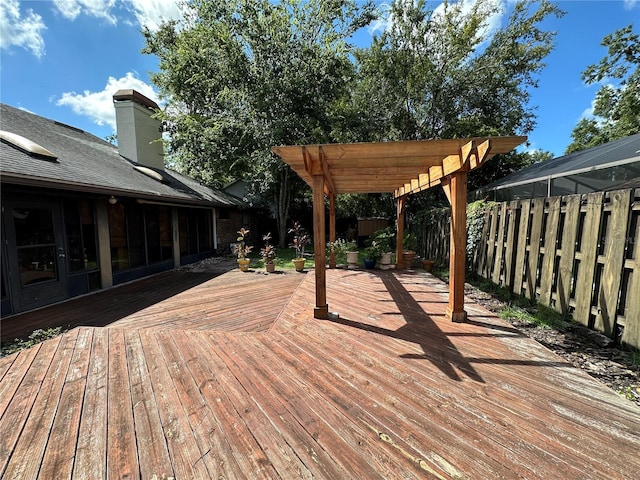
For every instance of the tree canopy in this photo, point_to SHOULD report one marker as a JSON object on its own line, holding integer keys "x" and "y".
{"x": 617, "y": 103}
{"x": 244, "y": 75}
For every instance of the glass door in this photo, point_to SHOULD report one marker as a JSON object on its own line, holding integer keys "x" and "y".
{"x": 37, "y": 259}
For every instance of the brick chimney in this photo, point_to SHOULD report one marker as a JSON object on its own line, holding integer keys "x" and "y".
{"x": 138, "y": 133}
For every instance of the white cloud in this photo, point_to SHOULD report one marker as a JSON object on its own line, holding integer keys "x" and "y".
{"x": 631, "y": 4}
{"x": 19, "y": 31}
{"x": 71, "y": 9}
{"x": 493, "y": 10}
{"x": 151, "y": 13}
{"x": 148, "y": 13}
{"x": 383, "y": 22}
{"x": 98, "y": 106}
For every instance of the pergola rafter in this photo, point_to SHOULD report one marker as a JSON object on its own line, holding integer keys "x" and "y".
{"x": 402, "y": 168}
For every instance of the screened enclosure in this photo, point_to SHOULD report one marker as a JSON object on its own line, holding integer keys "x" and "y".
{"x": 601, "y": 168}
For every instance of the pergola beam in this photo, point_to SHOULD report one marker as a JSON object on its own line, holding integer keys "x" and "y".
{"x": 401, "y": 168}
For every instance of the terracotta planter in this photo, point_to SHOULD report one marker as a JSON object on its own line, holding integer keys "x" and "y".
{"x": 271, "y": 267}
{"x": 427, "y": 265}
{"x": 299, "y": 264}
{"x": 243, "y": 263}
{"x": 408, "y": 256}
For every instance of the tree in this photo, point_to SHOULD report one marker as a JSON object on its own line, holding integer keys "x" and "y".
{"x": 444, "y": 73}
{"x": 617, "y": 104}
{"x": 242, "y": 76}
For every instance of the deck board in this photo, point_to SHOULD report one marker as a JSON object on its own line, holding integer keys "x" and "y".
{"x": 390, "y": 389}
{"x": 91, "y": 449}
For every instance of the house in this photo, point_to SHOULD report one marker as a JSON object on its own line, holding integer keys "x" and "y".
{"x": 600, "y": 168}
{"x": 79, "y": 214}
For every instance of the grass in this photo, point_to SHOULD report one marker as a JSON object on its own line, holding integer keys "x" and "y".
{"x": 634, "y": 358}
{"x": 539, "y": 316}
{"x": 284, "y": 257}
{"x": 516, "y": 307}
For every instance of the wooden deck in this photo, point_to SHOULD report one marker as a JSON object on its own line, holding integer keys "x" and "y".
{"x": 388, "y": 390}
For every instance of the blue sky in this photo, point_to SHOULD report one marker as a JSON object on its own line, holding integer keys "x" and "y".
{"x": 64, "y": 59}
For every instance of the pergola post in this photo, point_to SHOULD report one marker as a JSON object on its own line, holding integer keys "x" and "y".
{"x": 402, "y": 168}
{"x": 401, "y": 201}
{"x": 456, "y": 188}
{"x": 332, "y": 228}
{"x": 322, "y": 309}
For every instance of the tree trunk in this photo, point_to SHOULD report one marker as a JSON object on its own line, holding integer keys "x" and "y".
{"x": 283, "y": 197}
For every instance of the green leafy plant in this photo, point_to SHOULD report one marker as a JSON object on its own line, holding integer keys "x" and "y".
{"x": 340, "y": 247}
{"x": 385, "y": 238}
{"x": 37, "y": 336}
{"x": 475, "y": 224}
{"x": 241, "y": 248}
{"x": 373, "y": 251}
{"x": 300, "y": 239}
{"x": 268, "y": 252}
{"x": 409, "y": 241}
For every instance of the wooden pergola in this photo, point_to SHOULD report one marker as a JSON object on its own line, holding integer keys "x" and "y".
{"x": 402, "y": 168}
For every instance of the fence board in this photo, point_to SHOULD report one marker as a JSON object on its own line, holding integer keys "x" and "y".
{"x": 615, "y": 242}
{"x": 512, "y": 213}
{"x": 491, "y": 250}
{"x": 481, "y": 258}
{"x": 572, "y": 262}
{"x": 550, "y": 243}
{"x": 537, "y": 206}
{"x": 567, "y": 253}
{"x": 521, "y": 248}
{"x": 589, "y": 251}
{"x": 499, "y": 245}
{"x": 631, "y": 333}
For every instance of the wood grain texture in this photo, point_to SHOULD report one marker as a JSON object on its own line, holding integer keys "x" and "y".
{"x": 391, "y": 389}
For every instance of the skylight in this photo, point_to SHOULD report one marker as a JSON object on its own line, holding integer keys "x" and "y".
{"x": 26, "y": 145}
{"x": 151, "y": 173}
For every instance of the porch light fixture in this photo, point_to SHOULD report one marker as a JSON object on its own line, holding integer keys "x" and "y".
{"x": 112, "y": 200}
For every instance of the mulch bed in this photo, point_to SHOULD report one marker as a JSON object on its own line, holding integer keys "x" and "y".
{"x": 590, "y": 351}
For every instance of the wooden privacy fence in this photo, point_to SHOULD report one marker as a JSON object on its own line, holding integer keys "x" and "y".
{"x": 578, "y": 254}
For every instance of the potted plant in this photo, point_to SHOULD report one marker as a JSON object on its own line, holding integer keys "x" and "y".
{"x": 333, "y": 249}
{"x": 385, "y": 239}
{"x": 427, "y": 265}
{"x": 242, "y": 250}
{"x": 351, "y": 251}
{"x": 342, "y": 248}
{"x": 371, "y": 254}
{"x": 300, "y": 240}
{"x": 268, "y": 253}
{"x": 408, "y": 249}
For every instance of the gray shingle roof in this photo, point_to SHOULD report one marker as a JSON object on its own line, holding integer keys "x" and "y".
{"x": 90, "y": 164}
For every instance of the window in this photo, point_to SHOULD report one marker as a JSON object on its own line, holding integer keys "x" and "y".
{"x": 196, "y": 231}
{"x": 140, "y": 235}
